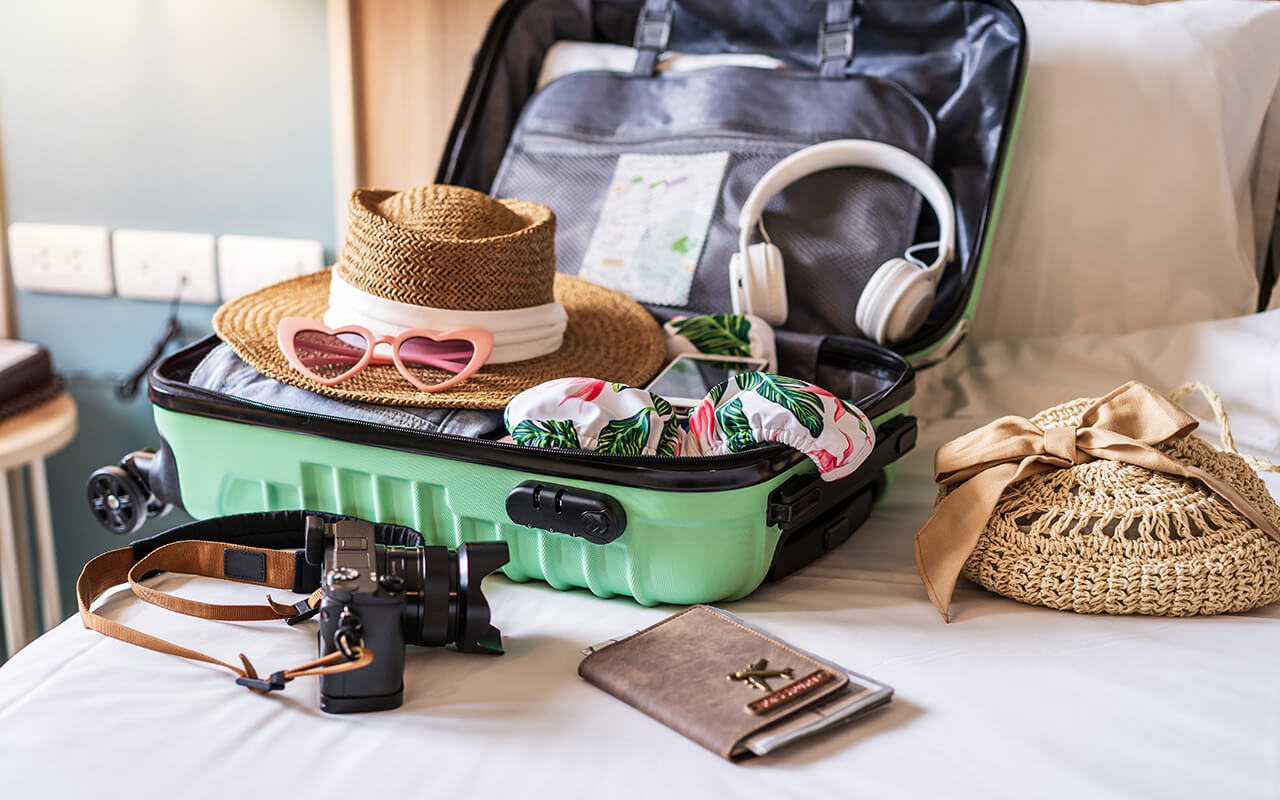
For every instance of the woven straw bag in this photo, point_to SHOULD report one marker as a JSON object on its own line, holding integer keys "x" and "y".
{"x": 1114, "y": 538}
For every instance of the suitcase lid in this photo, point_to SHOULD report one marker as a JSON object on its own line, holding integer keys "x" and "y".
{"x": 962, "y": 60}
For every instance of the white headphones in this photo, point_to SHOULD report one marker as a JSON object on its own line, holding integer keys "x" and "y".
{"x": 898, "y": 297}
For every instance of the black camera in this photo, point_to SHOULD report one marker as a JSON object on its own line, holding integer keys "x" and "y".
{"x": 382, "y": 597}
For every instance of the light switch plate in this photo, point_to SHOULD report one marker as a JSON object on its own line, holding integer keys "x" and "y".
{"x": 73, "y": 259}
{"x": 151, "y": 265}
{"x": 248, "y": 263}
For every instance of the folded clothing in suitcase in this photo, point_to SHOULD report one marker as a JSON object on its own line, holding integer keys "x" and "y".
{"x": 26, "y": 377}
{"x": 941, "y": 80}
{"x": 223, "y": 372}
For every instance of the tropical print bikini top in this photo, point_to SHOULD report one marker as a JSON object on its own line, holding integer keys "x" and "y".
{"x": 747, "y": 411}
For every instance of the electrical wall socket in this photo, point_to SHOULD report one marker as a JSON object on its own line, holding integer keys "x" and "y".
{"x": 73, "y": 259}
{"x": 248, "y": 263}
{"x": 151, "y": 265}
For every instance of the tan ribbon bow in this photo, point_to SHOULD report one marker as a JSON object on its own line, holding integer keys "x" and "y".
{"x": 1123, "y": 426}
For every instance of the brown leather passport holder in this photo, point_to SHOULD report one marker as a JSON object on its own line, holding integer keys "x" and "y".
{"x": 708, "y": 676}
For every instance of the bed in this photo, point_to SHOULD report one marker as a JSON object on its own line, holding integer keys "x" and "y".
{"x": 1005, "y": 701}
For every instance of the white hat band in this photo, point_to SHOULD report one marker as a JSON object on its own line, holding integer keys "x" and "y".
{"x": 518, "y": 333}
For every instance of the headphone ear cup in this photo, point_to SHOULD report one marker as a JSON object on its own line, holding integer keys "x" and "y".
{"x": 764, "y": 284}
{"x": 895, "y": 302}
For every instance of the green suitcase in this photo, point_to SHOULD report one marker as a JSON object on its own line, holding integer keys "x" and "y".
{"x": 658, "y": 529}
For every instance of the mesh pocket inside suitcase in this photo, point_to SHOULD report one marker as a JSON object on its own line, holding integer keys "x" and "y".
{"x": 829, "y": 256}
{"x": 834, "y": 228}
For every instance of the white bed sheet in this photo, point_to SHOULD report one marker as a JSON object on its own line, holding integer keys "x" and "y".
{"x": 1008, "y": 701}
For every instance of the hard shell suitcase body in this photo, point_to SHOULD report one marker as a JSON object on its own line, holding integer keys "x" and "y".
{"x": 937, "y": 77}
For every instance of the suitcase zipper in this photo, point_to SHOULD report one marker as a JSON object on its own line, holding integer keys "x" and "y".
{"x": 709, "y": 461}
{"x": 682, "y": 473}
{"x": 160, "y": 387}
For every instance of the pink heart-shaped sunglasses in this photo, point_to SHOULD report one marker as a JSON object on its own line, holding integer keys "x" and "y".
{"x": 329, "y": 356}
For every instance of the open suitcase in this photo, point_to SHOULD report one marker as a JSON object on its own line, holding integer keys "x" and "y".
{"x": 938, "y": 78}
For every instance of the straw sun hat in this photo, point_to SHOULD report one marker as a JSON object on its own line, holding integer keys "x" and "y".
{"x": 442, "y": 258}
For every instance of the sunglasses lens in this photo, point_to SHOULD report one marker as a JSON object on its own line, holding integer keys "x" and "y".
{"x": 329, "y": 355}
{"x": 432, "y": 362}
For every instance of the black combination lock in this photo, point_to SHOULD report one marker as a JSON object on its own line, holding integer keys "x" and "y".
{"x": 596, "y": 517}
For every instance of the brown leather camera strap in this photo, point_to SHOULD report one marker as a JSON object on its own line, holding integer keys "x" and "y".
{"x": 211, "y": 560}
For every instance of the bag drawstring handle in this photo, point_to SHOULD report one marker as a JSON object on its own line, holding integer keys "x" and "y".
{"x": 1224, "y": 424}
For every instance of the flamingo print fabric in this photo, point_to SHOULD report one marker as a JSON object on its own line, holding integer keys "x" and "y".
{"x": 756, "y": 408}
{"x": 746, "y": 411}
{"x": 590, "y": 414}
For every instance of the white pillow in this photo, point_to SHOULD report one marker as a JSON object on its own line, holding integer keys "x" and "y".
{"x": 566, "y": 57}
{"x": 1143, "y": 181}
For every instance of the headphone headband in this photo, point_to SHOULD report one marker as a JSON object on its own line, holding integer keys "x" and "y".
{"x": 854, "y": 153}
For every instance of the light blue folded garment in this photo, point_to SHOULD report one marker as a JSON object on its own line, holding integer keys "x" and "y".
{"x": 223, "y": 371}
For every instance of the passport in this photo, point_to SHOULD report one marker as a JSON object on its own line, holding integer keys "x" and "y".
{"x": 733, "y": 689}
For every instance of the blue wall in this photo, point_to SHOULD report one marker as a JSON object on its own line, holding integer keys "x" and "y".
{"x": 207, "y": 116}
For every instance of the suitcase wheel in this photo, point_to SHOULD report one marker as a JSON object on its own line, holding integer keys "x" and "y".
{"x": 117, "y": 500}
{"x": 120, "y": 497}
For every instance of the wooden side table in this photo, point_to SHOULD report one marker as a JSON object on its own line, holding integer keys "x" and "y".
{"x": 25, "y": 441}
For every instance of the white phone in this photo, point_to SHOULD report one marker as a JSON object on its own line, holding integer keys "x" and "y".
{"x": 689, "y": 376}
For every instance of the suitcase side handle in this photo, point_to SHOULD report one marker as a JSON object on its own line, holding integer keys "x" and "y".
{"x": 815, "y": 517}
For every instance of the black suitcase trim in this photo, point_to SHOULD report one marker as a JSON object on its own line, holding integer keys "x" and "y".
{"x": 168, "y": 389}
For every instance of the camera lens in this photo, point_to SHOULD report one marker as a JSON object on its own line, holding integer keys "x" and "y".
{"x": 443, "y": 600}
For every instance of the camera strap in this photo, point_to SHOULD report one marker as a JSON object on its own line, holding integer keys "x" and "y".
{"x": 205, "y": 559}
{"x": 218, "y": 548}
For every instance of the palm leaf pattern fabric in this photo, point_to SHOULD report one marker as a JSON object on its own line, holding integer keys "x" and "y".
{"x": 626, "y": 437}
{"x": 737, "y": 428}
{"x": 717, "y": 392}
{"x": 747, "y": 411}
{"x": 669, "y": 443}
{"x": 716, "y": 334}
{"x": 794, "y": 395}
{"x": 554, "y": 433}
{"x": 848, "y": 407}
{"x": 591, "y": 414}
{"x": 730, "y": 335}
{"x": 757, "y": 408}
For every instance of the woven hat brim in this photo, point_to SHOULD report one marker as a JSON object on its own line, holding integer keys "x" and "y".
{"x": 609, "y": 336}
